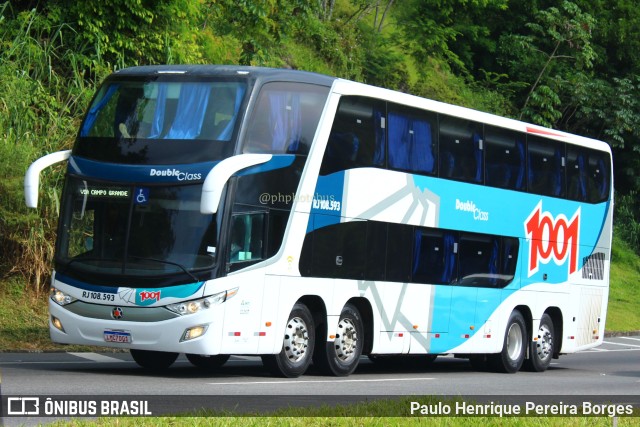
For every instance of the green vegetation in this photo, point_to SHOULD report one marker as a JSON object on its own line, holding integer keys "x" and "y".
{"x": 624, "y": 294}
{"x": 572, "y": 65}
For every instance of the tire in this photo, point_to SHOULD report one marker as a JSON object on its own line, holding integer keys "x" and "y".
{"x": 541, "y": 350}
{"x": 297, "y": 346}
{"x": 153, "y": 360}
{"x": 208, "y": 362}
{"x": 341, "y": 356}
{"x": 511, "y": 358}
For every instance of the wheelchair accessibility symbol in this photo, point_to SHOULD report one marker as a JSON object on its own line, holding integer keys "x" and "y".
{"x": 141, "y": 196}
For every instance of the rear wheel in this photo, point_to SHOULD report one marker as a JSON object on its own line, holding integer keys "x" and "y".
{"x": 541, "y": 349}
{"x": 297, "y": 346}
{"x": 341, "y": 356}
{"x": 154, "y": 360}
{"x": 511, "y": 357}
{"x": 208, "y": 362}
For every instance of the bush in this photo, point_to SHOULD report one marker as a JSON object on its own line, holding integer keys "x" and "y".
{"x": 626, "y": 219}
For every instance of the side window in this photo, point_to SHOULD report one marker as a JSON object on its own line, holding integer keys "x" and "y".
{"x": 375, "y": 257}
{"x": 399, "y": 251}
{"x": 335, "y": 251}
{"x": 285, "y": 118}
{"x": 546, "y": 164}
{"x": 461, "y": 146}
{"x": 487, "y": 261}
{"x": 505, "y": 161}
{"x": 435, "y": 256}
{"x": 412, "y": 140}
{"x": 247, "y": 237}
{"x": 599, "y": 175}
{"x": 479, "y": 260}
{"x": 357, "y": 136}
{"x": 577, "y": 173}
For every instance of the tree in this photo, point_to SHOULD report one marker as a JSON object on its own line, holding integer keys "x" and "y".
{"x": 123, "y": 32}
{"x": 557, "y": 36}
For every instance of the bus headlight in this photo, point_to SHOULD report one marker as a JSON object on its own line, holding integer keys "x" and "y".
{"x": 197, "y": 305}
{"x": 60, "y": 297}
{"x": 194, "y": 332}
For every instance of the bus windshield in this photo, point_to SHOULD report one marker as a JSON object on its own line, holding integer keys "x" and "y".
{"x": 135, "y": 231}
{"x": 141, "y": 121}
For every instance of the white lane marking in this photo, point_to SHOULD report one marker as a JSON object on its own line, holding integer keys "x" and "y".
{"x": 323, "y": 381}
{"x": 95, "y": 357}
{"x": 630, "y": 338}
{"x": 621, "y": 343}
{"x": 598, "y": 350}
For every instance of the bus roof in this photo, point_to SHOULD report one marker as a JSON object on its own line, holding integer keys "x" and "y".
{"x": 259, "y": 73}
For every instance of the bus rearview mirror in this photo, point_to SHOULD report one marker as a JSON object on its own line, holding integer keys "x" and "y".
{"x": 218, "y": 176}
{"x": 32, "y": 177}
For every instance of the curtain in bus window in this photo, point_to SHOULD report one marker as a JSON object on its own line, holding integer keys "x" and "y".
{"x": 449, "y": 273}
{"x": 521, "y": 165}
{"x": 285, "y": 121}
{"x": 190, "y": 111}
{"x": 378, "y": 157}
{"x": 493, "y": 263}
{"x": 225, "y": 135}
{"x": 579, "y": 186}
{"x": 559, "y": 174}
{"x": 157, "y": 124}
{"x": 399, "y": 142}
{"x": 422, "y": 157}
{"x": 599, "y": 173}
{"x": 477, "y": 151}
{"x": 410, "y": 143}
{"x": 92, "y": 115}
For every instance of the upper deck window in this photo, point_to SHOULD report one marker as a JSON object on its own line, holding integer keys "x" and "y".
{"x": 142, "y": 121}
{"x": 285, "y": 118}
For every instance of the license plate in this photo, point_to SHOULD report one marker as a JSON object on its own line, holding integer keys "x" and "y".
{"x": 114, "y": 335}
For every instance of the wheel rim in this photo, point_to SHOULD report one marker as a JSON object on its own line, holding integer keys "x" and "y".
{"x": 514, "y": 342}
{"x": 346, "y": 340}
{"x": 296, "y": 339}
{"x": 544, "y": 345}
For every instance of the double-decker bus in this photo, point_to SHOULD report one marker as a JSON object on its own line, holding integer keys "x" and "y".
{"x": 221, "y": 210}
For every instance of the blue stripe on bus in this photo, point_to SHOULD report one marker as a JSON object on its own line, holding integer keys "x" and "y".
{"x": 139, "y": 173}
{"x": 86, "y": 286}
{"x": 278, "y": 161}
{"x": 329, "y": 189}
{"x": 178, "y": 291}
{"x": 497, "y": 211}
{"x": 194, "y": 172}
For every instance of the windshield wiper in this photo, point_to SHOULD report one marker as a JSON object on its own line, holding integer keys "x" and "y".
{"x": 163, "y": 261}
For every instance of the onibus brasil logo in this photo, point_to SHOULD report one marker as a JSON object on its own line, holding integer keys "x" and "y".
{"x": 552, "y": 238}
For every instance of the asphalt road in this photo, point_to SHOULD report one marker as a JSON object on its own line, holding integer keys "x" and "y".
{"x": 609, "y": 371}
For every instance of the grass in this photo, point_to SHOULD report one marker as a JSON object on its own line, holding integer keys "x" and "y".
{"x": 624, "y": 293}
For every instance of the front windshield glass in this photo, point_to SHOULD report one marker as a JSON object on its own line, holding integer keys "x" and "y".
{"x": 135, "y": 231}
{"x": 143, "y": 121}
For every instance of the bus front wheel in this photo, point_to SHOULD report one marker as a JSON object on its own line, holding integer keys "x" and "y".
{"x": 511, "y": 357}
{"x": 297, "y": 346}
{"x": 541, "y": 349}
{"x": 341, "y": 356}
{"x": 153, "y": 360}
